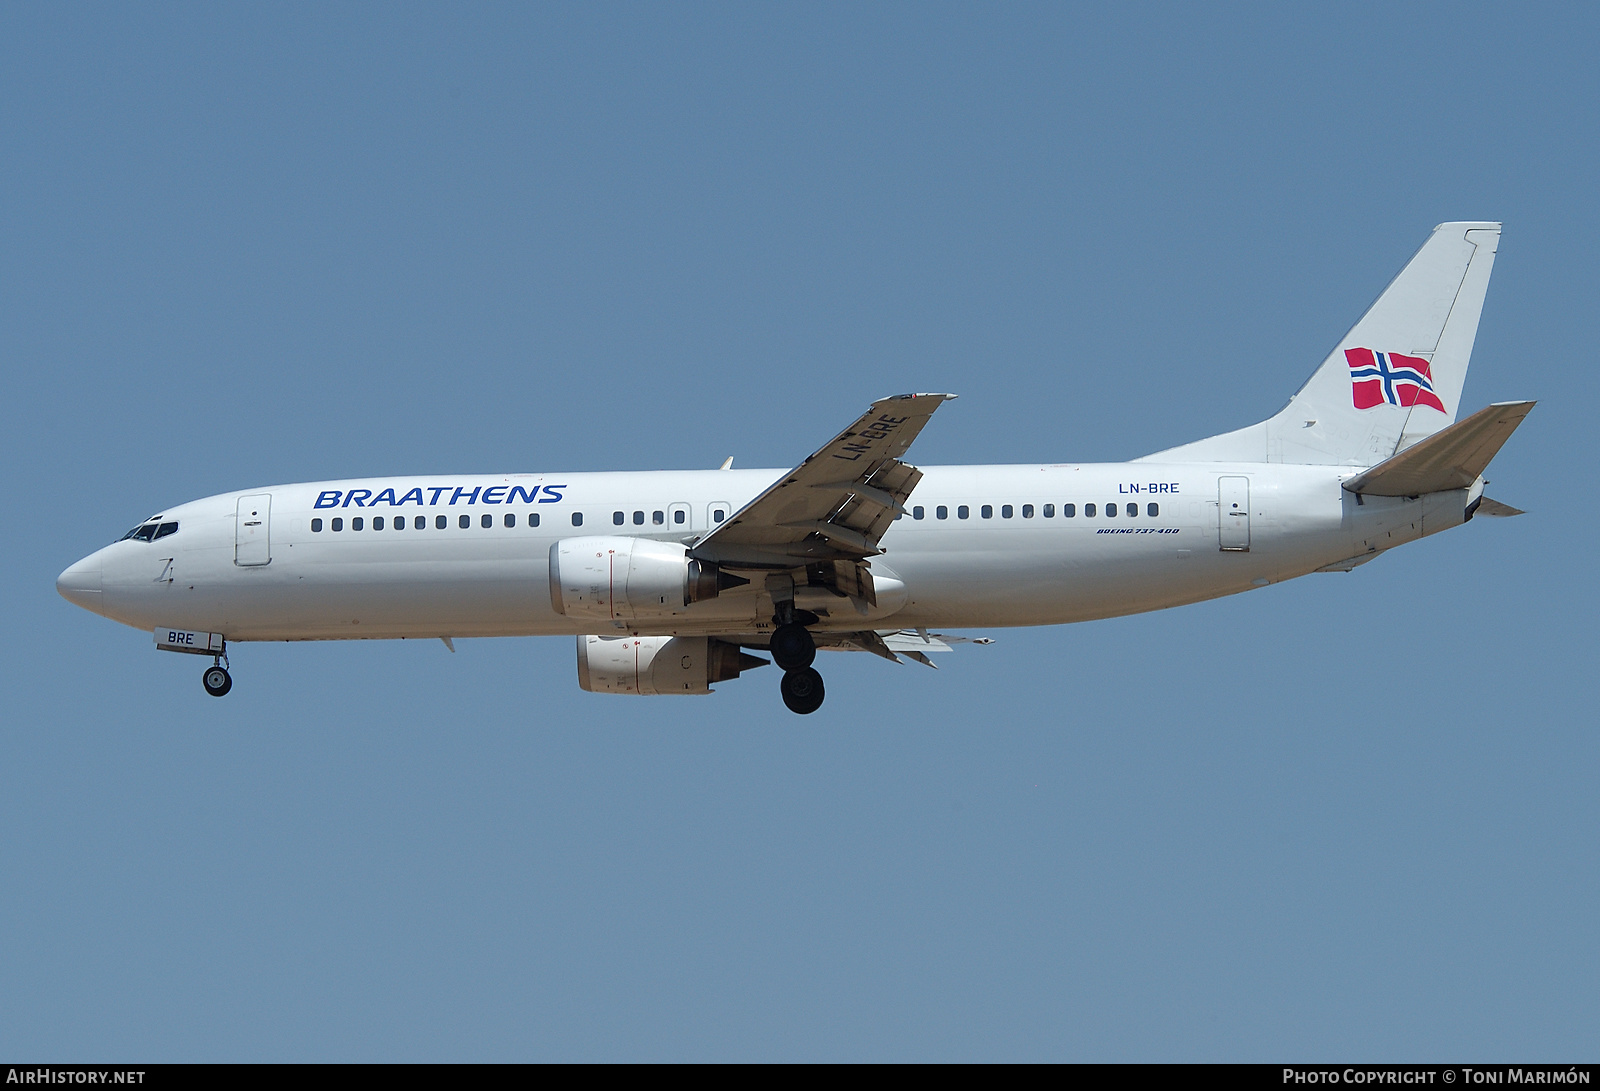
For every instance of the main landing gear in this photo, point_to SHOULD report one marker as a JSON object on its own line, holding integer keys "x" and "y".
{"x": 216, "y": 679}
{"x": 802, "y": 690}
{"x": 793, "y": 650}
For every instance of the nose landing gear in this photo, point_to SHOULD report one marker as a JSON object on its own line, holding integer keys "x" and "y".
{"x": 216, "y": 679}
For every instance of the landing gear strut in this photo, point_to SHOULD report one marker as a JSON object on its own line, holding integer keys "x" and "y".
{"x": 216, "y": 679}
{"x": 802, "y": 690}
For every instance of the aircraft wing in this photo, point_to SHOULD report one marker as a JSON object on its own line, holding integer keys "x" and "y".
{"x": 836, "y": 504}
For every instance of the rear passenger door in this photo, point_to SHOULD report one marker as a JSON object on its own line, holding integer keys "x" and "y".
{"x": 1233, "y": 514}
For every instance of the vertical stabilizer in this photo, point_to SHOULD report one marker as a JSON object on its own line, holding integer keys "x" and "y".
{"x": 1394, "y": 379}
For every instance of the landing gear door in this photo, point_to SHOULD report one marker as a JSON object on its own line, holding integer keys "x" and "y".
{"x": 1233, "y": 514}
{"x": 251, "y": 540}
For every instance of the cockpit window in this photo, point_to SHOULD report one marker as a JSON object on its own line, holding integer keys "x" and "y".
{"x": 149, "y": 532}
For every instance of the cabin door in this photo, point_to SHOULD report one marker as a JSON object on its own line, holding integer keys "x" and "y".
{"x": 251, "y": 540}
{"x": 1233, "y": 514}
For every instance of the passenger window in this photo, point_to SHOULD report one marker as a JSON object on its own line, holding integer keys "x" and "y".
{"x": 718, "y": 515}
{"x": 916, "y": 512}
{"x": 941, "y": 512}
{"x": 679, "y": 516}
{"x": 358, "y": 523}
{"x": 338, "y": 524}
{"x": 1027, "y": 511}
{"x": 1111, "y": 511}
{"x": 616, "y": 518}
{"x": 399, "y": 522}
{"x": 1005, "y": 511}
{"x": 511, "y": 519}
{"x": 486, "y": 522}
{"x": 316, "y": 526}
{"x": 464, "y": 522}
{"x": 533, "y": 518}
{"x": 1088, "y": 511}
{"x": 577, "y": 518}
{"x": 658, "y": 517}
{"x": 638, "y": 518}
{"x": 963, "y": 512}
{"x": 1069, "y": 511}
{"x": 1049, "y": 511}
{"x": 987, "y": 511}
{"x": 440, "y": 522}
{"x": 1152, "y": 510}
{"x": 1133, "y": 511}
{"x": 420, "y": 522}
{"x": 377, "y": 522}
{"x": 165, "y": 529}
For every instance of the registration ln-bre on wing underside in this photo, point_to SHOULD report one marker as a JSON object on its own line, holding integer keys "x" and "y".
{"x": 672, "y": 581}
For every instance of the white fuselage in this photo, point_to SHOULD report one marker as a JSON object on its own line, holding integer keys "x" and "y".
{"x": 1016, "y": 565}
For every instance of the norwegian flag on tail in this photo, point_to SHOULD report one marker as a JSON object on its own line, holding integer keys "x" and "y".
{"x": 1388, "y": 378}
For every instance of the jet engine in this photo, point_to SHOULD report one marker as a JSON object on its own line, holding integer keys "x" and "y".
{"x": 651, "y": 665}
{"x": 617, "y": 578}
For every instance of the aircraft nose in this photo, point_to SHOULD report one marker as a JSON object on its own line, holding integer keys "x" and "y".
{"x": 80, "y": 585}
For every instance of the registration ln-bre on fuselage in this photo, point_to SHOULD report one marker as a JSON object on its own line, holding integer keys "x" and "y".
{"x": 670, "y": 580}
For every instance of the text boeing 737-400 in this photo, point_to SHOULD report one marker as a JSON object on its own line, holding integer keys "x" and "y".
{"x": 669, "y": 579}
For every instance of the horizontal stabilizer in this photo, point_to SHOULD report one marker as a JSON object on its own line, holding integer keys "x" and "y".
{"x": 1495, "y": 509}
{"x": 1449, "y": 459}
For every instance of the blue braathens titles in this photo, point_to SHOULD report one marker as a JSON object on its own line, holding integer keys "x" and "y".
{"x": 437, "y": 495}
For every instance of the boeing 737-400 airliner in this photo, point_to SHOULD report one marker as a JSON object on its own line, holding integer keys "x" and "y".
{"x": 669, "y": 579}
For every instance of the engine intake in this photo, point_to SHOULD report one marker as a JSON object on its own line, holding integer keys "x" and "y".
{"x": 618, "y": 579}
{"x": 653, "y": 665}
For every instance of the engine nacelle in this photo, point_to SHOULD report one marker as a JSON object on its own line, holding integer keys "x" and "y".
{"x": 652, "y": 665}
{"x": 617, "y": 579}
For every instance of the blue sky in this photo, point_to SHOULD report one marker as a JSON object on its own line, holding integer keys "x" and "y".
{"x": 1349, "y": 816}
